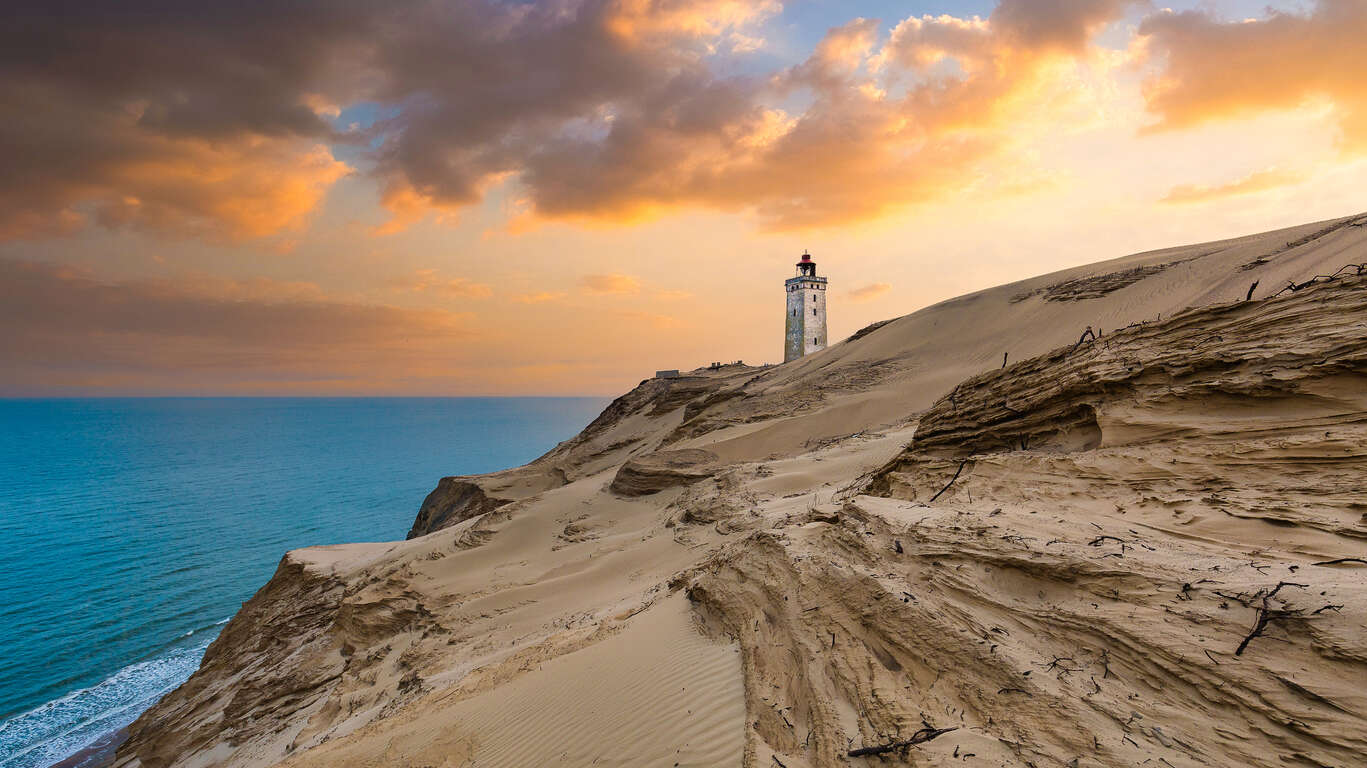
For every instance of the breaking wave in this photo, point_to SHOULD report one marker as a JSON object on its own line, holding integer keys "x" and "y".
{"x": 62, "y": 727}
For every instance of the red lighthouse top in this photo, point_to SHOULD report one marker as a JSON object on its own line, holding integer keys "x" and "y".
{"x": 806, "y": 267}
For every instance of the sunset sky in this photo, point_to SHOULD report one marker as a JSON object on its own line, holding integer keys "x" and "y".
{"x": 460, "y": 197}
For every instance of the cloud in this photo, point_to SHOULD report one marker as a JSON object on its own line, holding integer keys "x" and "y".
{"x": 1216, "y": 70}
{"x": 610, "y": 284}
{"x": 69, "y": 331}
{"x": 742, "y": 43}
{"x": 1063, "y": 25}
{"x": 1259, "y": 181}
{"x": 888, "y": 125}
{"x": 430, "y": 281}
{"x": 225, "y": 123}
{"x": 539, "y": 297}
{"x": 869, "y": 292}
{"x": 100, "y": 170}
{"x": 221, "y": 122}
{"x": 162, "y": 117}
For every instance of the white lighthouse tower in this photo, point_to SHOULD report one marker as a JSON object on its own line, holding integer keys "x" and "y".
{"x": 806, "y": 322}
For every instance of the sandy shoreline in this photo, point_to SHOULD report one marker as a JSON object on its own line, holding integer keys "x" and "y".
{"x": 97, "y": 755}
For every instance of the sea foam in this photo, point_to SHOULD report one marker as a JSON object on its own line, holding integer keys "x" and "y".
{"x": 62, "y": 727}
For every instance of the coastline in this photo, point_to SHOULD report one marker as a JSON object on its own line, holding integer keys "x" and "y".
{"x": 190, "y": 539}
{"x": 97, "y": 755}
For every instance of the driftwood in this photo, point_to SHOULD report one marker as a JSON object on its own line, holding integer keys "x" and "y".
{"x": 1341, "y": 560}
{"x": 962, "y": 464}
{"x": 1251, "y": 288}
{"x": 920, "y": 737}
{"x": 1087, "y": 335}
{"x": 1004, "y": 354}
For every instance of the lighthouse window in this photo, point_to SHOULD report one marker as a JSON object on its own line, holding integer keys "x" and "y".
{"x": 813, "y": 310}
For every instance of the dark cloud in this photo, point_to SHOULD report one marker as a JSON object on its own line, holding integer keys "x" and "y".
{"x": 195, "y": 69}
{"x": 190, "y": 117}
{"x": 1065, "y": 25}
{"x": 217, "y": 118}
{"x": 107, "y": 94}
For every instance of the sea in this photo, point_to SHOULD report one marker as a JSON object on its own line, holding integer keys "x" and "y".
{"x": 132, "y": 529}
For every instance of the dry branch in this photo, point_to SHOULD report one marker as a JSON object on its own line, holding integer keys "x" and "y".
{"x": 1268, "y": 614}
{"x": 920, "y": 737}
{"x": 1087, "y": 335}
{"x": 1347, "y": 270}
{"x": 962, "y": 464}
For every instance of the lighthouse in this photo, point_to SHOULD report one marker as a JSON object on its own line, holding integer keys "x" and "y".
{"x": 806, "y": 320}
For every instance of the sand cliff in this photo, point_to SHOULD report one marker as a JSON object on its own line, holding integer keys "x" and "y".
{"x": 1134, "y": 546}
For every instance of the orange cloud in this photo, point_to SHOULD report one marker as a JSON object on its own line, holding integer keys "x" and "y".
{"x": 406, "y": 207}
{"x": 1260, "y": 181}
{"x": 430, "y": 281}
{"x": 540, "y": 297}
{"x": 914, "y": 119}
{"x": 1214, "y": 70}
{"x": 635, "y": 20}
{"x": 610, "y": 284}
{"x": 869, "y": 292}
{"x": 247, "y": 189}
{"x": 224, "y": 189}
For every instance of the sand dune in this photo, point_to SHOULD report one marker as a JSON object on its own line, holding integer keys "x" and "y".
{"x": 667, "y": 694}
{"x": 1134, "y": 547}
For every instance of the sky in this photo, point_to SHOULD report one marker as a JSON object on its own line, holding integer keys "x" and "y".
{"x": 493, "y": 197}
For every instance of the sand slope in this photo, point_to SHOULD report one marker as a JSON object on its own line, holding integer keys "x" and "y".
{"x": 1061, "y": 558}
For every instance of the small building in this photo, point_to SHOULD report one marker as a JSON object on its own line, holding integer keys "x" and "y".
{"x": 806, "y": 321}
{"x": 671, "y": 374}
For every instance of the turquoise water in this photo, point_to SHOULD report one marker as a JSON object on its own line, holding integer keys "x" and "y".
{"x": 132, "y": 529}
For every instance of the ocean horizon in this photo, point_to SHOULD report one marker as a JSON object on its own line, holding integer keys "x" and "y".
{"x": 133, "y": 528}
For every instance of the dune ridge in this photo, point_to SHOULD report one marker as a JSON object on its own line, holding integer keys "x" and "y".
{"x": 1137, "y": 545}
